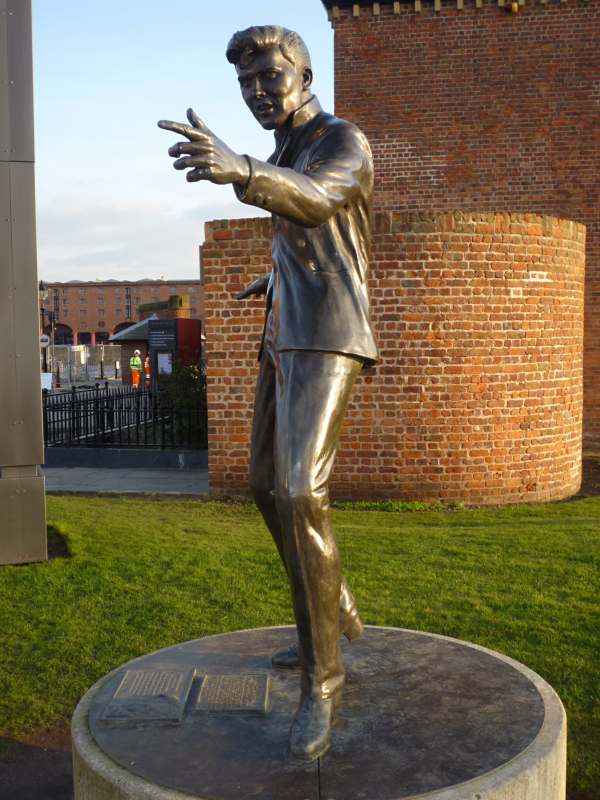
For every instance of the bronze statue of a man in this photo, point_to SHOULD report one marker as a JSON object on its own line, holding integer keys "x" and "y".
{"x": 318, "y": 186}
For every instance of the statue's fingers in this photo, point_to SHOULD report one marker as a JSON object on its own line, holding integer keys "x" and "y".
{"x": 195, "y": 120}
{"x": 192, "y": 161}
{"x": 252, "y": 289}
{"x": 200, "y": 174}
{"x": 192, "y": 148}
{"x": 178, "y": 127}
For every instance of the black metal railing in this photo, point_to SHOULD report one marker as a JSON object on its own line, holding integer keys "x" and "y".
{"x": 122, "y": 417}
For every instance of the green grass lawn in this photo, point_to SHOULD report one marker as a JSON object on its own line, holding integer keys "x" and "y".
{"x": 145, "y": 574}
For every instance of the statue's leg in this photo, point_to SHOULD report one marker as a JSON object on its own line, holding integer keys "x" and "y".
{"x": 313, "y": 390}
{"x": 262, "y": 486}
{"x": 262, "y": 467}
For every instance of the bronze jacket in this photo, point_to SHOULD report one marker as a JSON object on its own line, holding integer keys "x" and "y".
{"x": 318, "y": 185}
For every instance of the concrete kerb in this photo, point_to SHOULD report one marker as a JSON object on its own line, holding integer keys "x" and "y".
{"x": 125, "y": 458}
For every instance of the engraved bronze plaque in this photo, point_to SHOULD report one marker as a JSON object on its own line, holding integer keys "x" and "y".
{"x": 150, "y": 695}
{"x": 233, "y": 693}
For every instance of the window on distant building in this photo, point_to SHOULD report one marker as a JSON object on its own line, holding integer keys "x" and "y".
{"x": 172, "y": 290}
{"x": 100, "y": 312}
{"x": 193, "y": 310}
{"x": 100, "y": 301}
{"x": 83, "y": 311}
{"x": 83, "y": 299}
{"x": 118, "y": 311}
{"x": 65, "y": 313}
{"x": 102, "y": 324}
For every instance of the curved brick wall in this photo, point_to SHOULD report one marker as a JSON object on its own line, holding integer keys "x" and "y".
{"x": 478, "y": 397}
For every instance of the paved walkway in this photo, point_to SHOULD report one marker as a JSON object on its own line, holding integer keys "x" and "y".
{"x": 126, "y": 481}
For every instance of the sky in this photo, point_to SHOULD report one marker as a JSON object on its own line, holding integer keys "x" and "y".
{"x": 109, "y": 203}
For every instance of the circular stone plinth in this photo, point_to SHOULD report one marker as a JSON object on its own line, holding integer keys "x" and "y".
{"x": 423, "y": 715}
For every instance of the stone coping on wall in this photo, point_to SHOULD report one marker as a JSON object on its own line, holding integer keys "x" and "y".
{"x": 336, "y": 7}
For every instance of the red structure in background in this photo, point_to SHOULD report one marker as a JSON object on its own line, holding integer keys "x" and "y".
{"x": 166, "y": 333}
{"x": 189, "y": 342}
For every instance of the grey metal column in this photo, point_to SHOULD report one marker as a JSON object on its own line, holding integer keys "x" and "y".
{"x": 22, "y": 498}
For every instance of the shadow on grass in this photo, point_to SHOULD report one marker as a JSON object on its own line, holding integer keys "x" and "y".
{"x": 57, "y": 548}
{"x": 57, "y": 544}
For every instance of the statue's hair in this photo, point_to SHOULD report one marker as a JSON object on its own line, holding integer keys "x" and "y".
{"x": 244, "y": 45}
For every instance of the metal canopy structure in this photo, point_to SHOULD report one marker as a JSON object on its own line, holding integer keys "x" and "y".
{"x": 137, "y": 332}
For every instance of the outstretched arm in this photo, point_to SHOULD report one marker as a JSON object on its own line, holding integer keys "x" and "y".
{"x": 339, "y": 167}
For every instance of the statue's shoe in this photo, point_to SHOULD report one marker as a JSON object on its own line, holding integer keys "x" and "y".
{"x": 310, "y": 734}
{"x": 289, "y": 658}
{"x": 351, "y": 624}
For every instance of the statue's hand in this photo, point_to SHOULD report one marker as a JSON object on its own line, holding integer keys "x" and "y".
{"x": 257, "y": 287}
{"x": 210, "y": 158}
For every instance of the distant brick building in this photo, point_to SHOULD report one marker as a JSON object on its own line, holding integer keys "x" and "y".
{"x": 88, "y": 312}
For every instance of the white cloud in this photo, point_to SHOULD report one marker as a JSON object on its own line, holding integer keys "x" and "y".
{"x": 89, "y": 238}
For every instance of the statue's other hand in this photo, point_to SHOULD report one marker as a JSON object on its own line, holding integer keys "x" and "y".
{"x": 257, "y": 287}
{"x": 208, "y": 157}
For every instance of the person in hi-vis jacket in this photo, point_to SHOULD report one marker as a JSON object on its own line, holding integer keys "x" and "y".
{"x": 135, "y": 368}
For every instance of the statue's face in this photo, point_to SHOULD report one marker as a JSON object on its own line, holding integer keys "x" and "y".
{"x": 272, "y": 87}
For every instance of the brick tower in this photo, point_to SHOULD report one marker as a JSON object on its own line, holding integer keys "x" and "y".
{"x": 485, "y": 128}
{"x": 482, "y": 105}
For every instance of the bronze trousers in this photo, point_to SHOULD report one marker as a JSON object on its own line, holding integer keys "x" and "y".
{"x": 301, "y": 399}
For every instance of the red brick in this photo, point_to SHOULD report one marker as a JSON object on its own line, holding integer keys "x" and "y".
{"x": 452, "y": 412}
{"x": 482, "y": 109}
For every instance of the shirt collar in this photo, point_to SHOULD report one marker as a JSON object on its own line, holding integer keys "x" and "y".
{"x": 299, "y": 118}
